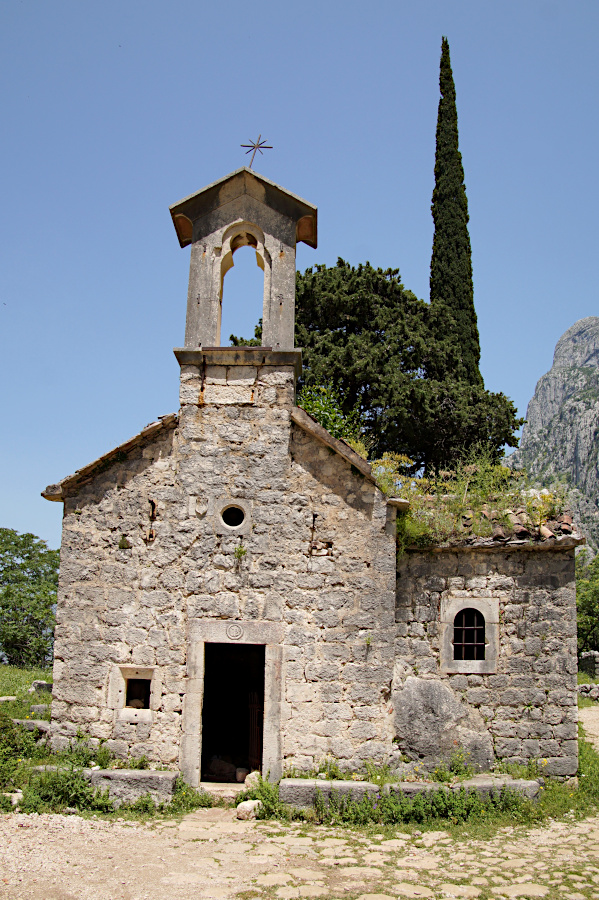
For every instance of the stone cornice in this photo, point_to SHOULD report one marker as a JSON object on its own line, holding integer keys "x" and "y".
{"x": 239, "y": 356}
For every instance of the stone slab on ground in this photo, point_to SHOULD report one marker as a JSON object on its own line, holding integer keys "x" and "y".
{"x": 34, "y": 724}
{"x": 302, "y": 792}
{"x": 411, "y": 788}
{"x": 7, "y": 699}
{"x": 493, "y": 784}
{"x": 222, "y": 790}
{"x": 128, "y": 785}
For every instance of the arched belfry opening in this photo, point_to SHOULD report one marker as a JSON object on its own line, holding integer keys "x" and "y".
{"x": 243, "y": 209}
{"x": 245, "y": 240}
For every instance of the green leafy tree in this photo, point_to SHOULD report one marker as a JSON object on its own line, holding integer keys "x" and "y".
{"x": 369, "y": 337}
{"x": 453, "y": 317}
{"x": 28, "y": 584}
{"x": 363, "y": 332}
{"x": 324, "y": 404}
{"x": 587, "y": 603}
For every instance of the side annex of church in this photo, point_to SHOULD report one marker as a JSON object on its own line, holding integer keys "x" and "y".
{"x": 229, "y": 592}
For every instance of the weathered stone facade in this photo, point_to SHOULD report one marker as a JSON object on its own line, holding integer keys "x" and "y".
{"x": 525, "y": 707}
{"x": 241, "y": 523}
{"x": 315, "y": 584}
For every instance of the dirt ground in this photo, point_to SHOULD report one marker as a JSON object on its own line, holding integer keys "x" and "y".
{"x": 210, "y": 855}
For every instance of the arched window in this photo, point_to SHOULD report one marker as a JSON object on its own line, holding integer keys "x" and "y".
{"x": 469, "y": 635}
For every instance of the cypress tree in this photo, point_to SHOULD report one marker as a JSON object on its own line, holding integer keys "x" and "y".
{"x": 453, "y": 316}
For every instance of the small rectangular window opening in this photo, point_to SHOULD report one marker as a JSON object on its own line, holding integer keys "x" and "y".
{"x": 469, "y": 635}
{"x": 138, "y": 693}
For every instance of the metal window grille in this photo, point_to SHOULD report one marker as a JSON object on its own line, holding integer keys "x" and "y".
{"x": 469, "y": 635}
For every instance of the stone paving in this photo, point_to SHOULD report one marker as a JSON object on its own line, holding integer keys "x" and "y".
{"x": 212, "y": 856}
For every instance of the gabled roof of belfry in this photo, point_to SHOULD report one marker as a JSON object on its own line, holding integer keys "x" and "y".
{"x": 245, "y": 181}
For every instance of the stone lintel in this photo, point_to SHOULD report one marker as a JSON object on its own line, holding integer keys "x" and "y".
{"x": 239, "y": 356}
{"x": 307, "y": 423}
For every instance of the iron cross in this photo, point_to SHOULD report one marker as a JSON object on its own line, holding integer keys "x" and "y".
{"x": 256, "y": 145}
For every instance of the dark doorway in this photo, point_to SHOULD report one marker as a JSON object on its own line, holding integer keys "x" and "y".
{"x": 233, "y": 710}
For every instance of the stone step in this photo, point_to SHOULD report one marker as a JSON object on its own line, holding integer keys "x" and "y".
{"x": 222, "y": 790}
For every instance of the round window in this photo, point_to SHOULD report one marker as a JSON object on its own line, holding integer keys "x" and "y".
{"x": 233, "y": 516}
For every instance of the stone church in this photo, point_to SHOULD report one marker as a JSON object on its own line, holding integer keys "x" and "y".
{"x": 229, "y": 592}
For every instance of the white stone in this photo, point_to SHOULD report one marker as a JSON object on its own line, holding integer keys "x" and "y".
{"x": 248, "y": 809}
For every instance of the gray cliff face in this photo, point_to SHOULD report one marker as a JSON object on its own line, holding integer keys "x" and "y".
{"x": 561, "y": 436}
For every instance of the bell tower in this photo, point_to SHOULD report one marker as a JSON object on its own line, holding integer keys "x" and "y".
{"x": 242, "y": 209}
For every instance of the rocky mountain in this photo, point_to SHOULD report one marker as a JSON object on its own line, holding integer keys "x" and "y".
{"x": 560, "y": 440}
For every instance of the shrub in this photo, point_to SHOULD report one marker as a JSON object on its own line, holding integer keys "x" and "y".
{"x": 479, "y": 496}
{"x": 395, "y": 809}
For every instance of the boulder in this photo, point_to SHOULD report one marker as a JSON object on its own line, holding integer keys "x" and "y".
{"x": 432, "y": 723}
{"x": 40, "y": 686}
{"x": 34, "y": 724}
{"x": 252, "y": 780}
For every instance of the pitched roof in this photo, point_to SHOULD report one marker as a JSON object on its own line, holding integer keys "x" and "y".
{"x": 245, "y": 181}
{"x": 312, "y": 427}
{"x": 57, "y": 491}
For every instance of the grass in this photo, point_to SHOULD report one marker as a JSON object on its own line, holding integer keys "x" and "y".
{"x": 586, "y": 702}
{"x": 15, "y": 682}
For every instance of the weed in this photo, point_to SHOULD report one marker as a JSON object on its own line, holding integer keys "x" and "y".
{"x": 479, "y": 497}
{"x": 5, "y": 803}
{"x": 379, "y": 774}
{"x": 144, "y": 805}
{"x": 139, "y": 762}
{"x": 186, "y": 798}
{"x": 424, "y": 808}
{"x": 240, "y": 552}
{"x": 16, "y": 746}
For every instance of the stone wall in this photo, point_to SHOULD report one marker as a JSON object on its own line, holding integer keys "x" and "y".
{"x": 148, "y": 572}
{"x": 525, "y": 707}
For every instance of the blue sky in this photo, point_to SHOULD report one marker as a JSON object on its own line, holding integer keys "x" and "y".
{"x": 111, "y": 112}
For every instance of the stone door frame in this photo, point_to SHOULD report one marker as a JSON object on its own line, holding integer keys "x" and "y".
{"x": 217, "y": 631}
